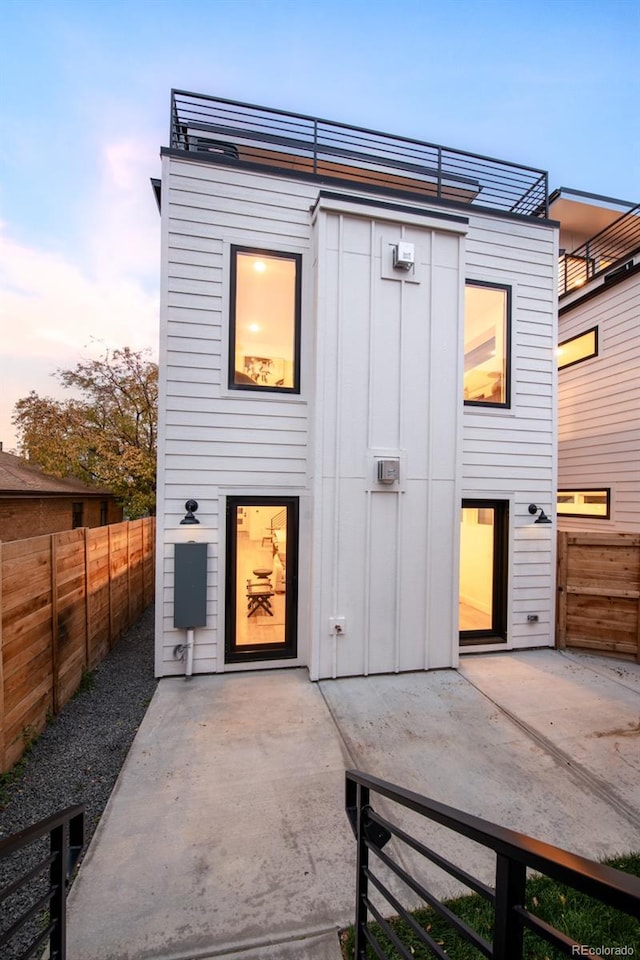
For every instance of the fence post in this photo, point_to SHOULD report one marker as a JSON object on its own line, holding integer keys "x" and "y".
{"x": 87, "y": 599}
{"x": 511, "y": 881}
{"x": 110, "y": 587}
{"x": 55, "y": 655}
{"x": 362, "y": 882}
{"x": 561, "y": 600}
{"x": 2, "y": 724}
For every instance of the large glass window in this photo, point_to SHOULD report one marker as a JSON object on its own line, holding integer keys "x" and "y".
{"x": 577, "y": 349}
{"x": 483, "y": 571}
{"x": 486, "y": 344}
{"x": 265, "y": 321}
{"x": 584, "y": 503}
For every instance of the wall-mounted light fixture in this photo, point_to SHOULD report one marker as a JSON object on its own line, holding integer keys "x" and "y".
{"x": 191, "y": 506}
{"x": 542, "y": 518}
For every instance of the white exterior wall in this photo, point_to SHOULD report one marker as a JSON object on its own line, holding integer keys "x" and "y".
{"x": 599, "y": 407}
{"x": 380, "y": 374}
{"x": 215, "y": 441}
{"x": 510, "y": 454}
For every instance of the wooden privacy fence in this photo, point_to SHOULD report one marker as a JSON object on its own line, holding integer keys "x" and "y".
{"x": 65, "y": 599}
{"x": 599, "y": 593}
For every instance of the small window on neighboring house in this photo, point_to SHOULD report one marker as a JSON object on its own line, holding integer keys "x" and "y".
{"x": 104, "y": 513}
{"x": 585, "y": 503}
{"x": 577, "y": 349}
{"x": 77, "y": 515}
{"x": 264, "y": 339}
{"x": 487, "y": 330}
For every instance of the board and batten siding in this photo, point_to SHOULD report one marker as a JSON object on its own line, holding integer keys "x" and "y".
{"x": 388, "y": 384}
{"x": 509, "y": 454}
{"x": 599, "y": 407}
{"x": 213, "y": 439}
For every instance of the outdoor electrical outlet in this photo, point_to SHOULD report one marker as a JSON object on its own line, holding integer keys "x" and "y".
{"x": 337, "y": 626}
{"x": 532, "y": 617}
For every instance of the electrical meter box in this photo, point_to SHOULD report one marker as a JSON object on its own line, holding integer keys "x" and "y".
{"x": 404, "y": 255}
{"x": 388, "y": 471}
{"x": 190, "y": 586}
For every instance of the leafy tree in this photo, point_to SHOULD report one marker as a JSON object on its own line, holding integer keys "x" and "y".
{"x": 107, "y": 436}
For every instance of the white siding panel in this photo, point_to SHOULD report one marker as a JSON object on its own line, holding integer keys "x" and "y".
{"x": 213, "y": 439}
{"x": 510, "y": 454}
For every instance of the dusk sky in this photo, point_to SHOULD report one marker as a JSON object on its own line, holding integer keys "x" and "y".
{"x": 84, "y": 110}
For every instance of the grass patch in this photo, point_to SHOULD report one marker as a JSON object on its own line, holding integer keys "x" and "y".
{"x": 584, "y": 919}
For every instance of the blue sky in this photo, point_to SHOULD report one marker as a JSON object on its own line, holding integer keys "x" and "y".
{"x": 84, "y": 110}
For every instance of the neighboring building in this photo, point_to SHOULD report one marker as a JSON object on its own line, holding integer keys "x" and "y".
{"x": 357, "y": 386}
{"x": 33, "y": 503}
{"x": 599, "y": 363}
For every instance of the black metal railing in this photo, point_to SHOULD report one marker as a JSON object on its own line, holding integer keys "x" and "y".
{"x": 230, "y": 132}
{"x": 514, "y": 851}
{"x": 601, "y": 253}
{"x": 36, "y": 898}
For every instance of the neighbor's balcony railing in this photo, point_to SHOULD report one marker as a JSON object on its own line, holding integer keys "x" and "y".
{"x": 232, "y": 132}
{"x": 618, "y": 241}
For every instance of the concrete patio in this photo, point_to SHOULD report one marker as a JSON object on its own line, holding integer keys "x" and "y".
{"x": 226, "y": 836}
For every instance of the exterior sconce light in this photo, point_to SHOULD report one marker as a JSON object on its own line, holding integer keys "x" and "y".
{"x": 192, "y": 505}
{"x": 542, "y": 518}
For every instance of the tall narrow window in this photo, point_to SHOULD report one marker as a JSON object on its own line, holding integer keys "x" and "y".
{"x": 264, "y": 342}
{"x": 483, "y": 571}
{"x": 262, "y": 576}
{"x": 487, "y": 324}
{"x": 77, "y": 515}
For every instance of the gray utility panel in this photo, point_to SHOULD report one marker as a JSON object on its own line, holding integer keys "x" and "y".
{"x": 190, "y": 586}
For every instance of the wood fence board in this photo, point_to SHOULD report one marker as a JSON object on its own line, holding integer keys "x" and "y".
{"x": 31, "y": 547}
{"x": 65, "y": 599}
{"x": 13, "y": 616}
{"x": 599, "y": 592}
{"x": 31, "y": 635}
{"x": 25, "y": 582}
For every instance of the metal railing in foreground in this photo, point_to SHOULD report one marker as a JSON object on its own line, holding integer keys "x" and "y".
{"x": 514, "y": 851}
{"x": 42, "y": 882}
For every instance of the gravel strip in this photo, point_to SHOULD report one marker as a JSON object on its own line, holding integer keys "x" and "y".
{"x": 78, "y": 757}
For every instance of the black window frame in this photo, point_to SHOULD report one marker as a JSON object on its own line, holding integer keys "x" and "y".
{"x": 577, "y": 336}
{"x": 497, "y": 633}
{"x": 583, "y": 515}
{"x": 233, "y": 279}
{"x": 503, "y": 404}
{"x": 77, "y": 514}
{"x": 249, "y": 653}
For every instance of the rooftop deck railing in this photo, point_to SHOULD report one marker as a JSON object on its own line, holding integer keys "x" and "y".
{"x": 601, "y": 253}
{"x": 229, "y": 132}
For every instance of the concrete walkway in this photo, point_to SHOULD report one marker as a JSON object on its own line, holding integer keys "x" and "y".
{"x": 226, "y": 835}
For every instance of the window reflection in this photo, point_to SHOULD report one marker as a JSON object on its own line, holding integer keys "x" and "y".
{"x": 265, "y": 307}
{"x": 486, "y": 334}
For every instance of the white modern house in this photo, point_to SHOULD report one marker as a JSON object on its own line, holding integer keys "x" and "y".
{"x": 598, "y": 363}
{"x": 358, "y": 338}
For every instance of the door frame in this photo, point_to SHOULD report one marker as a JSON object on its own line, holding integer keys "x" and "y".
{"x": 251, "y": 653}
{"x": 500, "y": 579}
